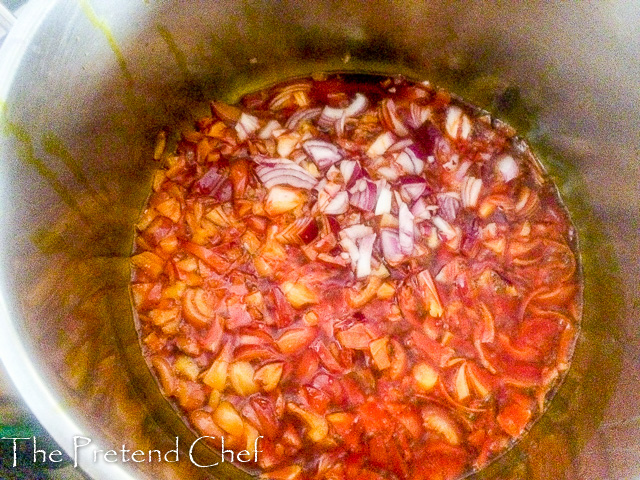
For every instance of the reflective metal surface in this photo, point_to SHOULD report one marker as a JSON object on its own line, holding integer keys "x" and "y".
{"x": 85, "y": 86}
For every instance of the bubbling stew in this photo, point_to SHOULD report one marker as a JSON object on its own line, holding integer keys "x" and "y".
{"x": 370, "y": 274}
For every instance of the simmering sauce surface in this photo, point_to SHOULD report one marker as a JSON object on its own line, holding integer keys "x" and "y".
{"x": 374, "y": 277}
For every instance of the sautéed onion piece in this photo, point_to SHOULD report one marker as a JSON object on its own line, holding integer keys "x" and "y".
{"x": 366, "y": 272}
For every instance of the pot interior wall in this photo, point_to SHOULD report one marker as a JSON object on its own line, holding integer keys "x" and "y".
{"x": 86, "y": 85}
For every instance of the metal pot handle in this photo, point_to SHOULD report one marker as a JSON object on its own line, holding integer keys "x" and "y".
{"x": 6, "y": 21}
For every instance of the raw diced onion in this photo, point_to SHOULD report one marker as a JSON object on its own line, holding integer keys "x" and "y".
{"x": 266, "y": 131}
{"x": 383, "y": 204}
{"x": 302, "y": 115}
{"x": 281, "y": 171}
{"x": 405, "y": 220}
{"x": 365, "y": 250}
{"x": 471, "y": 191}
{"x": 246, "y": 125}
{"x": 508, "y": 168}
{"x": 381, "y": 144}
{"x": 324, "y": 154}
{"x": 330, "y": 115}
{"x": 338, "y": 204}
{"x": 448, "y": 204}
{"x": 390, "y": 242}
{"x": 412, "y": 187}
{"x": 421, "y": 210}
{"x": 355, "y": 232}
{"x": 410, "y": 162}
{"x": 447, "y": 230}
{"x": 363, "y": 195}
{"x": 357, "y": 106}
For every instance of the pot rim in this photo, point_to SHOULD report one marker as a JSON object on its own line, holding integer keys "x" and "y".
{"x": 32, "y": 387}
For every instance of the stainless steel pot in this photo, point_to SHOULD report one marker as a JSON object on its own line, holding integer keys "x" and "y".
{"x": 86, "y": 84}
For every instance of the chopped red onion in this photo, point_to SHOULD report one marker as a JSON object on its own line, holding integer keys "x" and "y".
{"x": 309, "y": 231}
{"x": 508, "y": 168}
{"x": 329, "y": 116}
{"x": 457, "y": 124}
{"x": 357, "y": 106}
{"x": 470, "y": 236}
{"x": 390, "y": 241}
{"x": 462, "y": 170}
{"x": 281, "y": 171}
{"x": 365, "y": 250}
{"x": 449, "y": 204}
{"x": 333, "y": 174}
{"x": 400, "y": 145}
{"x": 223, "y": 193}
{"x": 381, "y": 144}
{"x": 355, "y": 232}
{"x": 346, "y": 168}
{"x": 329, "y": 188}
{"x": 389, "y": 173}
{"x": 447, "y": 230}
{"x": 471, "y": 187}
{"x": 324, "y": 154}
{"x": 326, "y": 193}
{"x": 363, "y": 195}
{"x": 303, "y": 230}
{"x": 339, "y": 125}
{"x": 410, "y": 162}
{"x": 321, "y": 184}
{"x": 412, "y": 187}
{"x": 334, "y": 225}
{"x": 426, "y": 138}
{"x": 383, "y": 204}
{"x": 405, "y": 220}
{"x": 302, "y": 115}
{"x": 280, "y": 100}
{"x": 390, "y": 115}
{"x": 421, "y": 210}
{"x": 418, "y": 115}
{"x": 338, "y": 204}
{"x": 246, "y": 125}
{"x": 209, "y": 183}
{"x": 351, "y": 248}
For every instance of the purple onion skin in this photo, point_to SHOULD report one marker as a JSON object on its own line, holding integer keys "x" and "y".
{"x": 310, "y": 232}
{"x": 426, "y": 137}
